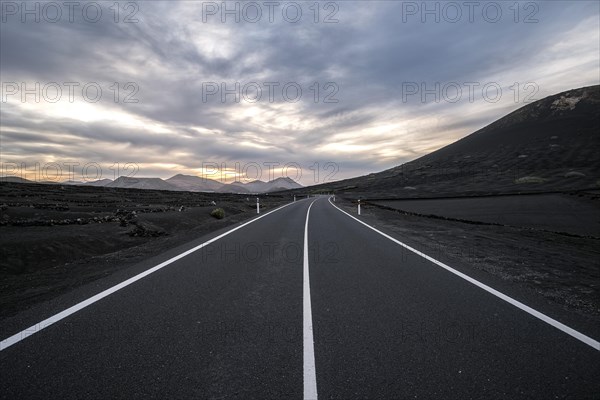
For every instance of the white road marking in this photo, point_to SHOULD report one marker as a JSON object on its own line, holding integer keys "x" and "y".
{"x": 558, "y": 325}
{"x": 71, "y": 310}
{"x": 310, "y": 375}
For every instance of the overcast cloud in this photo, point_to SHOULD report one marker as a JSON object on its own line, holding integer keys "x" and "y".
{"x": 366, "y": 62}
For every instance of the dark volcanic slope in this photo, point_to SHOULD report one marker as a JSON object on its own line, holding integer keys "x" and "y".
{"x": 551, "y": 144}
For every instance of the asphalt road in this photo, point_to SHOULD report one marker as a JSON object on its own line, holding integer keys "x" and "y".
{"x": 230, "y": 320}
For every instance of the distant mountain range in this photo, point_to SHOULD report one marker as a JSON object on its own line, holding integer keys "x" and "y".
{"x": 141, "y": 183}
{"x": 14, "y": 179}
{"x": 179, "y": 182}
{"x": 101, "y": 182}
{"x": 194, "y": 183}
{"x": 261, "y": 186}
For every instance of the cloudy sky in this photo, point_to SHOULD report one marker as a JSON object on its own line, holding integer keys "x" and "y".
{"x": 343, "y": 88}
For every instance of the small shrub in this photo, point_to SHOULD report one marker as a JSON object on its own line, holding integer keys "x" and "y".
{"x": 218, "y": 213}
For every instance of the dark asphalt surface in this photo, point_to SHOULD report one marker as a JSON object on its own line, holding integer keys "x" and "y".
{"x": 226, "y": 322}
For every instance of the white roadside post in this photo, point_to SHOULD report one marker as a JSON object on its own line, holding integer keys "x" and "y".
{"x": 334, "y": 198}
{"x": 358, "y": 207}
{"x": 294, "y": 198}
{"x": 257, "y": 206}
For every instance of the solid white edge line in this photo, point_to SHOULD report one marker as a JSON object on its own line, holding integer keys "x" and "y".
{"x": 310, "y": 375}
{"x": 16, "y": 338}
{"x": 558, "y": 325}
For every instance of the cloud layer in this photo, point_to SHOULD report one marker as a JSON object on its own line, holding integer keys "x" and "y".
{"x": 381, "y": 82}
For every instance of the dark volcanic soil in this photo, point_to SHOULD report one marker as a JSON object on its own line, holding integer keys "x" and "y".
{"x": 564, "y": 269}
{"x": 571, "y": 213}
{"x": 54, "y": 237}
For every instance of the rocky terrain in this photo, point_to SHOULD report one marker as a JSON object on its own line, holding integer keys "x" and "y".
{"x": 56, "y": 237}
